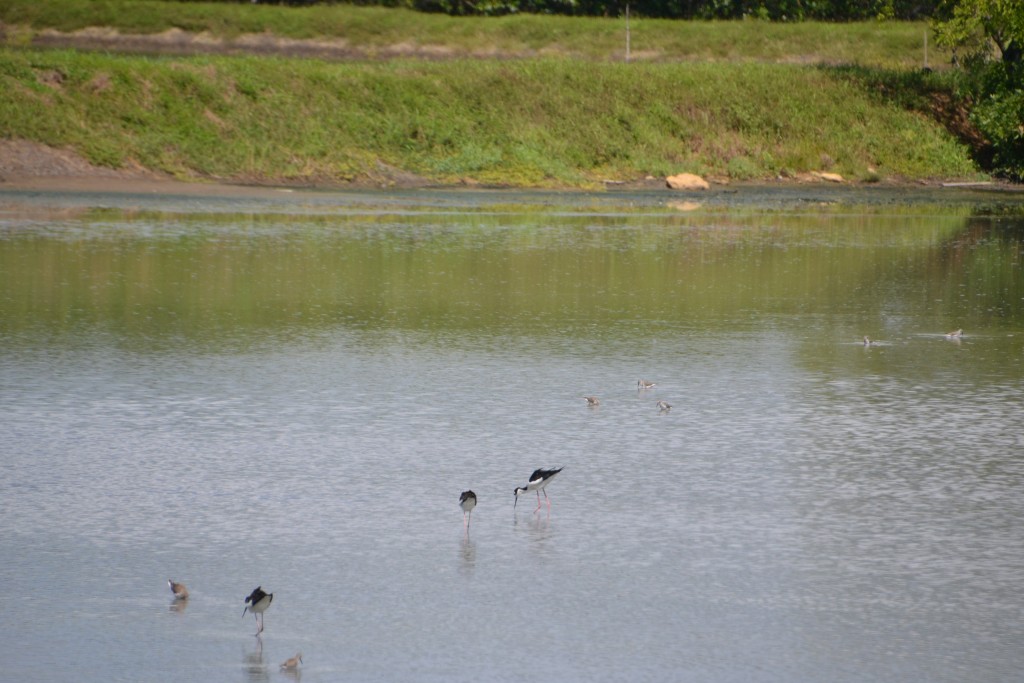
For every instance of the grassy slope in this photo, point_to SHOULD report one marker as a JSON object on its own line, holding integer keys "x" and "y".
{"x": 547, "y": 122}
{"x": 890, "y": 44}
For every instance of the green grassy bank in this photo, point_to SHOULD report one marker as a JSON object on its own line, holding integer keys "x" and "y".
{"x": 372, "y": 31}
{"x": 529, "y": 123}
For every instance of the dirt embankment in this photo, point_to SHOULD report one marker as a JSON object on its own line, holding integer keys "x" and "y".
{"x": 21, "y": 158}
{"x": 31, "y": 165}
{"x": 178, "y": 42}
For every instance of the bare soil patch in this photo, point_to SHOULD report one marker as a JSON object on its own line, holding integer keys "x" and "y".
{"x": 22, "y": 159}
{"x": 178, "y": 42}
{"x": 31, "y": 165}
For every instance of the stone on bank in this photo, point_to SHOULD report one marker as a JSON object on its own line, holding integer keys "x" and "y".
{"x": 687, "y": 181}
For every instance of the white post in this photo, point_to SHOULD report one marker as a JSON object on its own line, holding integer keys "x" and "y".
{"x": 627, "y": 31}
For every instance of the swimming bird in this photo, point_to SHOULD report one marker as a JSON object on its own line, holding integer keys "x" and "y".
{"x": 867, "y": 342}
{"x": 538, "y": 480}
{"x": 644, "y": 384}
{"x": 955, "y": 334}
{"x": 293, "y": 663}
{"x": 592, "y": 401}
{"x": 179, "y": 590}
{"x": 664, "y": 406}
{"x": 257, "y": 603}
{"x": 467, "y": 501}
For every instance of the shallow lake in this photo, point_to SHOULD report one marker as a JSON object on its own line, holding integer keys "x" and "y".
{"x": 291, "y": 390}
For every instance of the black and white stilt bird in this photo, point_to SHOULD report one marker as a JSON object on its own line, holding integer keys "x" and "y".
{"x": 178, "y": 589}
{"x": 467, "y": 501}
{"x": 538, "y": 480}
{"x": 257, "y": 603}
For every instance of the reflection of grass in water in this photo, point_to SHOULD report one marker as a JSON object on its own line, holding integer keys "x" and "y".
{"x": 197, "y": 273}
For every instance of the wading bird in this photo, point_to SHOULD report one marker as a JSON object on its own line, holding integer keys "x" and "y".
{"x": 538, "y": 480}
{"x": 179, "y": 590}
{"x": 257, "y": 603}
{"x": 467, "y": 501}
{"x": 293, "y": 663}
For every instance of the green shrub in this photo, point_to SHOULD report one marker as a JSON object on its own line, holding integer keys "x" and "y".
{"x": 998, "y": 113}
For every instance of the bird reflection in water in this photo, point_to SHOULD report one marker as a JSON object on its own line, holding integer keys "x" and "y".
{"x": 467, "y": 554}
{"x": 255, "y": 669}
{"x": 538, "y": 526}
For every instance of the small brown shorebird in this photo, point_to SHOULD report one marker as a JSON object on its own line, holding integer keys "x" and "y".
{"x": 293, "y": 663}
{"x": 592, "y": 400}
{"x": 257, "y": 603}
{"x": 955, "y": 334}
{"x": 664, "y": 406}
{"x": 644, "y": 384}
{"x": 538, "y": 480}
{"x": 467, "y": 501}
{"x": 867, "y": 341}
{"x": 178, "y": 589}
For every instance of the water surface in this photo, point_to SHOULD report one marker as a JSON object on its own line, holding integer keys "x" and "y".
{"x": 292, "y": 391}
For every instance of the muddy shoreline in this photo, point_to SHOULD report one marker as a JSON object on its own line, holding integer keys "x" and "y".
{"x": 34, "y": 167}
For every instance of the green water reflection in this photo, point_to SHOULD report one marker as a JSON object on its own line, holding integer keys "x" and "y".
{"x": 528, "y": 271}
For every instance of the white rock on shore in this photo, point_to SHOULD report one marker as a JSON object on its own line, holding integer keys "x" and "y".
{"x": 687, "y": 181}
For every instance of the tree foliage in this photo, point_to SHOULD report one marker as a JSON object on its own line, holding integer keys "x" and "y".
{"x": 990, "y": 34}
{"x": 976, "y": 26}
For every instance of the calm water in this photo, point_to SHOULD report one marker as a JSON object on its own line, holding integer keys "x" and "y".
{"x": 291, "y": 391}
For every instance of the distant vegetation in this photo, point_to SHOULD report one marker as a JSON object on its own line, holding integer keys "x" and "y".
{"x": 774, "y": 10}
{"x": 369, "y": 29}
